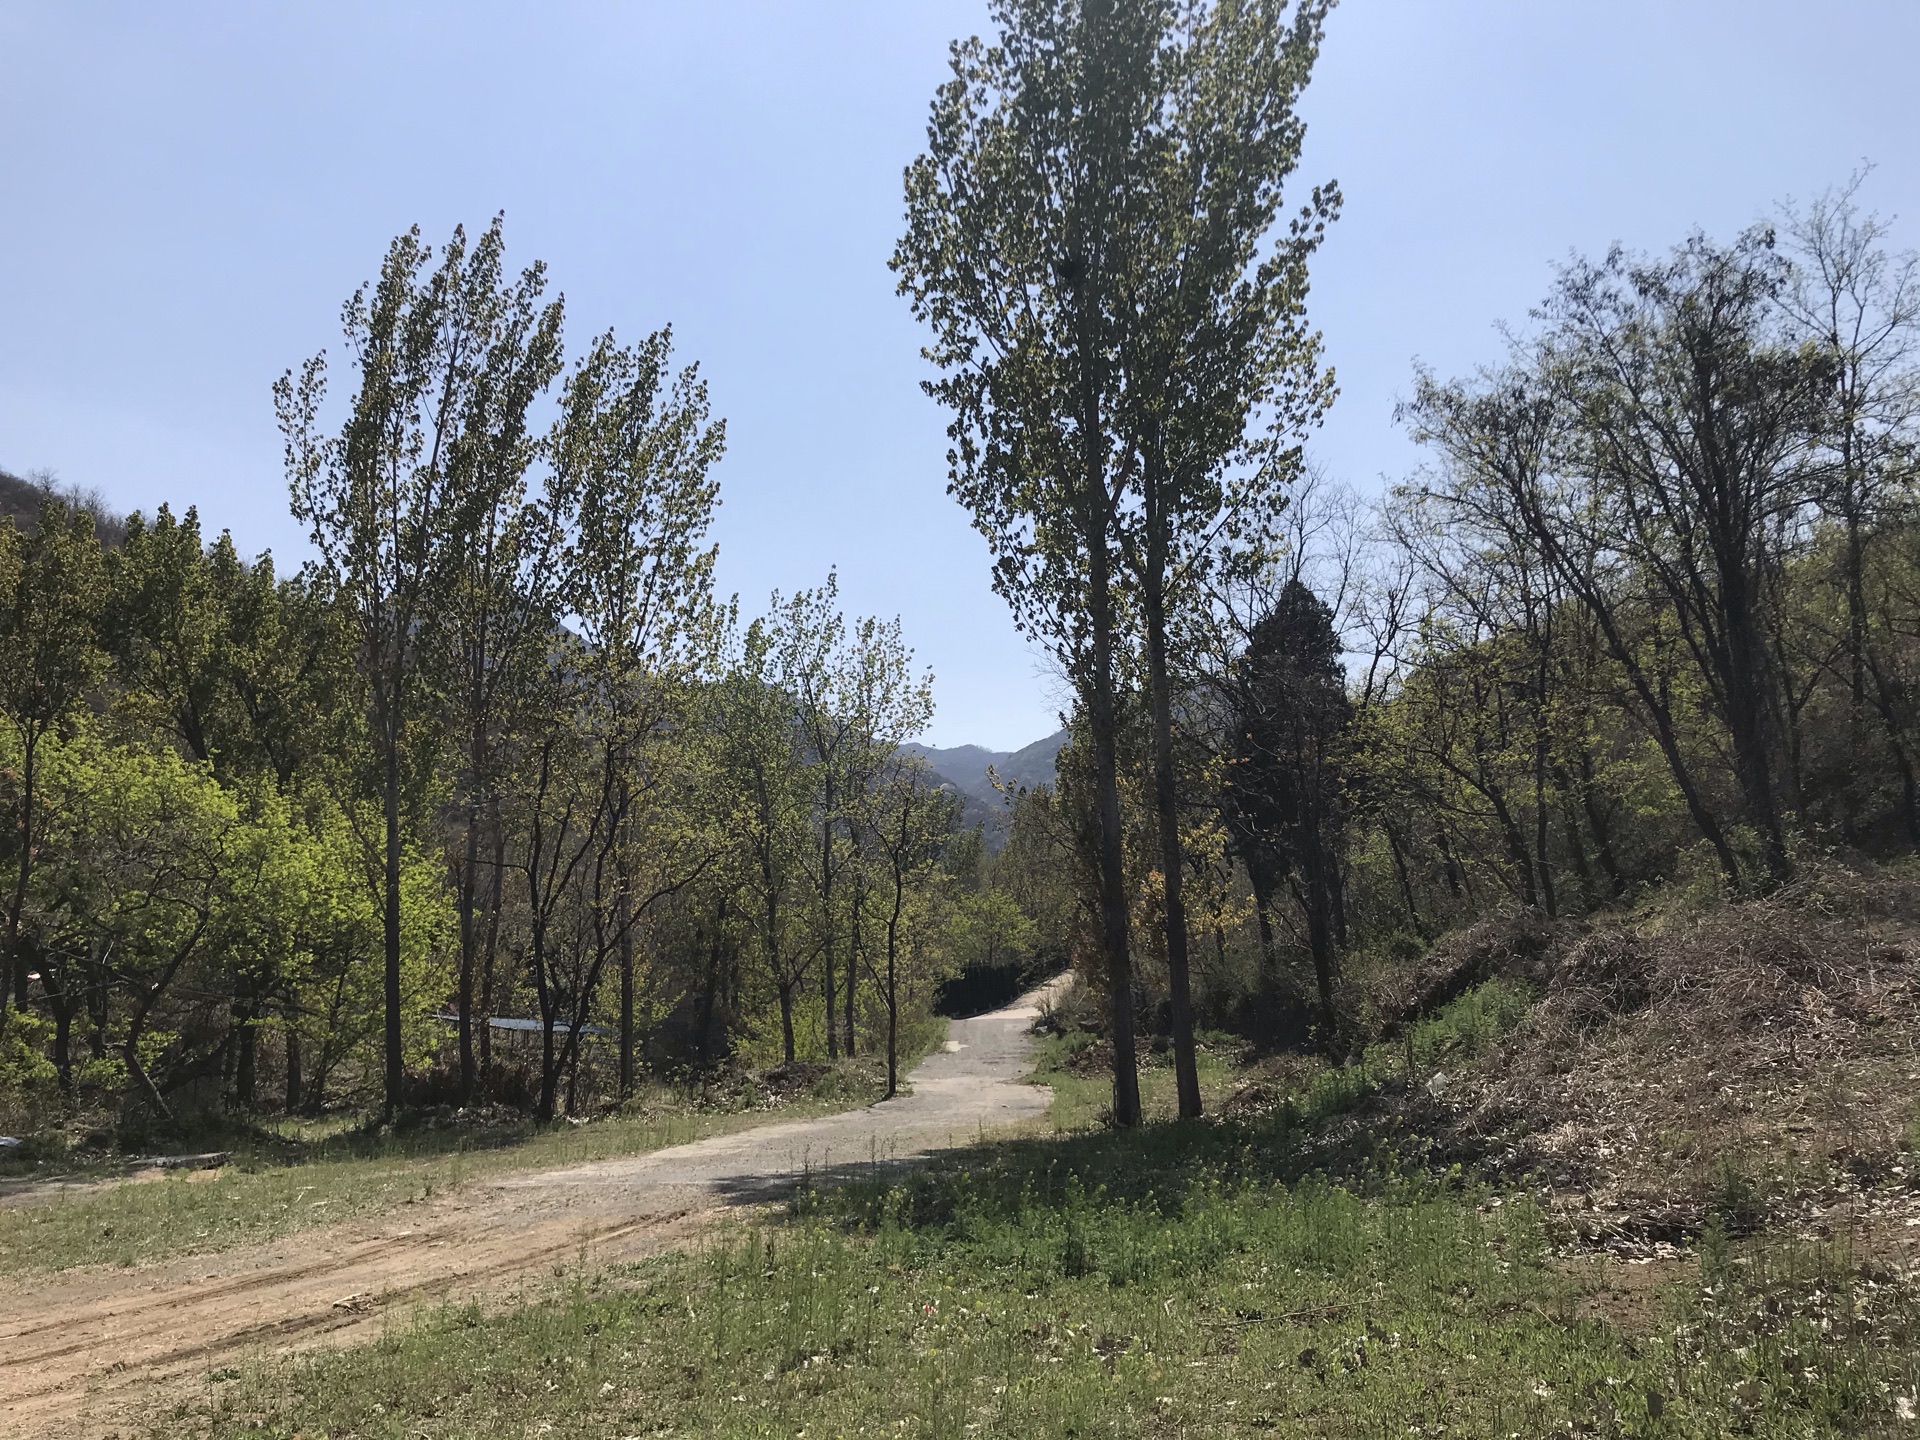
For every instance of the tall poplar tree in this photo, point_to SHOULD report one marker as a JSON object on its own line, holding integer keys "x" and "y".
{"x": 1223, "y": 373}
{"x": 505, "y": 594}
{"x": 1088, "y": 240}
{"x": 634, "y": 452}
{"x": 439, "y": 346}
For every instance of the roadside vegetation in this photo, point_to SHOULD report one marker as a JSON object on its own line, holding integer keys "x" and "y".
{"x": 494, "y": 805}
{"x": 273, "y": 1185}
{"x": 1352, "y": 1250}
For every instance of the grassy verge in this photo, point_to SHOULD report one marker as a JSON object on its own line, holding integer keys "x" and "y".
{"x": 993, "y": 1299}
{"x": 1075, "y": 1065}
{"x": 1082, "y": 1088}
{"x": 1182, "y": 1280}
{"x": 276, "y": 1187}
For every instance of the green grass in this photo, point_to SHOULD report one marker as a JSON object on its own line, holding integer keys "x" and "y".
{"x": 1181, "y": 1280}
{"x": 275, "y": 1190}
{"x": 990, "y": 1298}
{"x": 1462, "y": 1030}
{"x": 1456, "y": 1034}
{"x": 1083, "y": 1099}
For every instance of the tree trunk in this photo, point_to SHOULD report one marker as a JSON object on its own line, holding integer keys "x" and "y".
{"x": 1337, "y": 899}
{"x": 1855, "y": 553}
{"x": 853, "y": 968}
{"x": 1599, "y": 606}
{"x": 1749, "y": 707}
{"x": 1111, "y": 859}
{"x": 1320, "y": 941}
{"x": 1703, "y": 818}
{"x": 130, "y": 1054}
{"x": 1262, "y": 884}
{"x": 1893, "y": 716}
{"x": 245, "y": 1067}
{"x": 13, "y": 981}
{"x": 549, "y": 1071}
{"x": 1450, "y": 866}
{"x": 1096, "y": 685}
{"x": 391, "y": 916}
{"x": 1167, "y": 807}
{"x": 1166, "y": 803}
{"x": 709, "y": 994}
{"x": 826, "y": 912}
{"x": 490, "y": 953}
{"x": 627, "y": 1036}
{"x": 1909, "y": 788}
{"x": 830, "y": 1006}
{"x": 893, "y": 1038}
{"x": 1576, "y": 850}
{"x": 63, "y": 1042}
{"x": 1398, "y": 851}
{"x": 710, "y": 990}
{"x": 1515, "y": 841}
{"x": 570, "y": 1062}
{"x": 786, "y": 1021}
{"x": 893, "y": 999}
{"x": 1597, "y": 825}
{"x": 293, "y": 1068}
{"x": 469, "y": 951}
{"x": 97, "y": 1013}
{"x": 1542, "y": 833}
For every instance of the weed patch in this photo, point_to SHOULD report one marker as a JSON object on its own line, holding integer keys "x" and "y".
{"x": 1172, "y": 1296}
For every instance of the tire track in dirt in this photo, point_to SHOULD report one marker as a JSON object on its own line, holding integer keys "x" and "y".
{"x": 82, "y": 1350}
{"x": 166, "y": 1307}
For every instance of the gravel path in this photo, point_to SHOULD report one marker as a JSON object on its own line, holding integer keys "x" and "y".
{"x": 82, "y": 1349}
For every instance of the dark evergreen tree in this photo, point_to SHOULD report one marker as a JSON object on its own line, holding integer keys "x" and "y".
{"x": 1285, "y": 806}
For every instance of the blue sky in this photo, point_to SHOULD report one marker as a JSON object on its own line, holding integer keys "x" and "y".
{"x": 188, "y": 192}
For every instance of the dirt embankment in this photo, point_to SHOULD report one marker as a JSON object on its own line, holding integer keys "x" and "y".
{"x": 83, "y": 1348}
{"x": 1758, "y": 1062}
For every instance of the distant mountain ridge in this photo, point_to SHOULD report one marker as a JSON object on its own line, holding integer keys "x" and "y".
{"x": 965, "y": 768}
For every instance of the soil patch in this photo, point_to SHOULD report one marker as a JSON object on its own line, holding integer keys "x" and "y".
{"x": 86, "y": 1349}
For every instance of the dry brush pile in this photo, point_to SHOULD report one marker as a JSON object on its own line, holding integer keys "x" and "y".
{"x": 1758, "y": 1062}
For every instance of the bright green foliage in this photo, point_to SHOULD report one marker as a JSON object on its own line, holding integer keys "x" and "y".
{"x": 907, "y": 823}
{"x": 798, "y": 738}
{"x": 155, "y": 886}
{"x": 989, "y": 930}
{"x": 330, "y": 944}
{"x": 761, "y": 783}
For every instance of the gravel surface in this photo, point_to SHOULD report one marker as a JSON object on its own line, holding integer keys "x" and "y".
{"x": 86, "y": 1348}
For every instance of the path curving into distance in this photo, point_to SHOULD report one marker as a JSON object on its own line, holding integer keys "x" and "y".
{"x": 80, "y": 1350}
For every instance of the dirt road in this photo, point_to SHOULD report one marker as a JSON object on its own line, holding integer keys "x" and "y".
{"x": 80, "y": 1349}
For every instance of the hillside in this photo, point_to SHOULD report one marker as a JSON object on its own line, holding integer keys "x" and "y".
{"x": 19, "y": 499}
{"x": 1748, "y": 1065}
{"x": 22, "y": 496}
{"x": 966, "y": 767}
